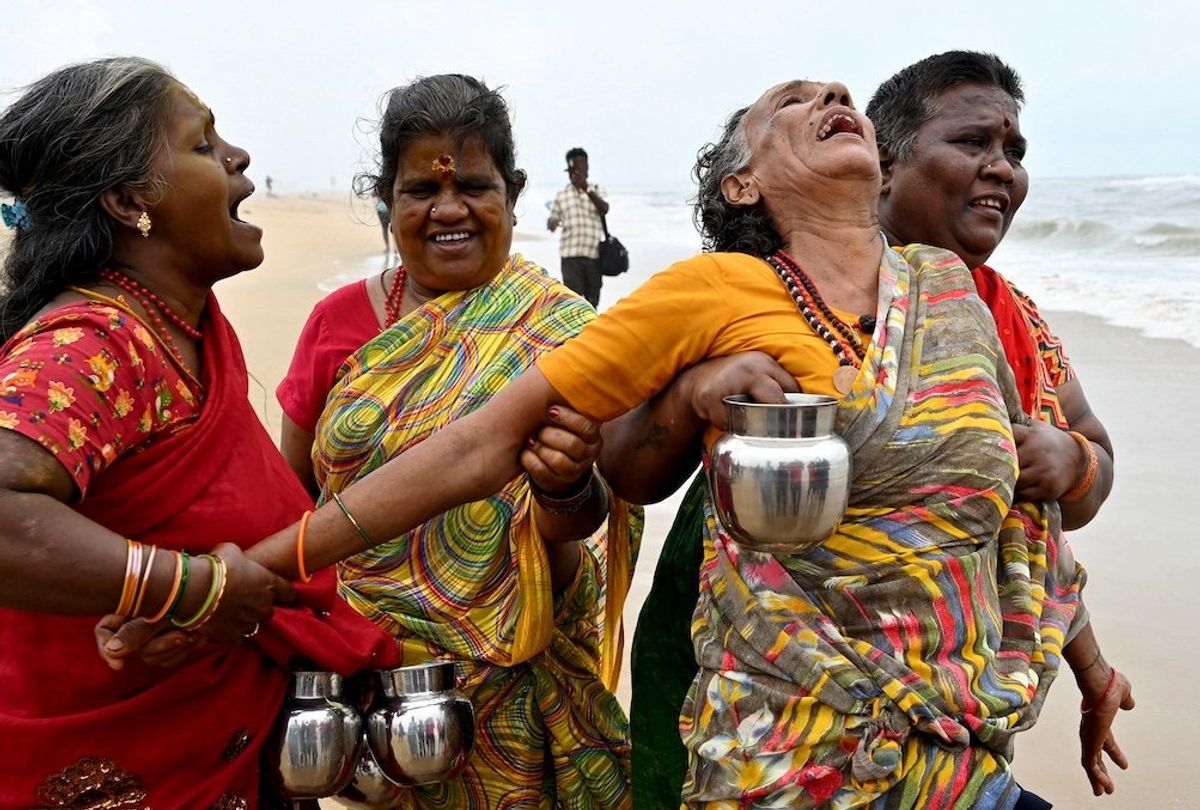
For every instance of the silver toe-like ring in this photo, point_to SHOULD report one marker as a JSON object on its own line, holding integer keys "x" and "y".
{"x": 253, "y": 631}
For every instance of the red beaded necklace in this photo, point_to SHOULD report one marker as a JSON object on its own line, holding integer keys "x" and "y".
{"x": 846, "y": 344}
{"x": 156, "y": 308}
{"x": 391, "y": 306}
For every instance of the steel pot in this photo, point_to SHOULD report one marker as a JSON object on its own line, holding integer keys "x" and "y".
{"x": 423, "y": 728}
{"x": 780, "y": 478}
{"x": 315, "y": 743}
{"x": 370, "y": 788}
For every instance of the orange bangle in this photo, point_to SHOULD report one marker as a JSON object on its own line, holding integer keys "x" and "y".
{"x": 1089, "y": 475}
{"x": 144, "y": 584}
{"x": 133, "y": 571}
{"x": 170, "y": 600}
{"x": 304, "y": 575}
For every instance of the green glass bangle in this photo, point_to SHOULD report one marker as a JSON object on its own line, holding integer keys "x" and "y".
{"x": 213, "y": 587}
{"x": 366, "y": 538}
{"x": 183, "y": 581}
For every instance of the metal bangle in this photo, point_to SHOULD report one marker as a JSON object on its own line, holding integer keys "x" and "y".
{"x": 564, "y": 505}
{"x": 366, "y": 538}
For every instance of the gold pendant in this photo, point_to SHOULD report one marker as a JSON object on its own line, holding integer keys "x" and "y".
{"x": 844, "y": 377}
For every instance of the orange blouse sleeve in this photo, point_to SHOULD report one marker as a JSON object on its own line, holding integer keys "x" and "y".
{"x": 637, "y": 347}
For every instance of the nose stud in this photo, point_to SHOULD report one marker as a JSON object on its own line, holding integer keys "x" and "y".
{"x": 433, "y": 211}
{"x": 229, "y": 160}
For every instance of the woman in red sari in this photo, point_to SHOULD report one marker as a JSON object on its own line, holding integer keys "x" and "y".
{"x": 128, "y": 443}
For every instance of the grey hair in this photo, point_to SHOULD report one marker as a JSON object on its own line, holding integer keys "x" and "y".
{"x": 725, "y": 227}
{"x": 71, "y": 136}
{"x": 908, "y": 99}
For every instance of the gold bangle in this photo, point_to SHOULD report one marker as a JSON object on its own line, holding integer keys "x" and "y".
{"x": 133, "y": 571}
{"x": 1089, "y": 474}
{"x": 366, "y": 538}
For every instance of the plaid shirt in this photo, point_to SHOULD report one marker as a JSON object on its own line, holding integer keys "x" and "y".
{"x": 580, "y": 222}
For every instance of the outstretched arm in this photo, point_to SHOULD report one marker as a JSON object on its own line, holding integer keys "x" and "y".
{"x": 652, "y": 450}
{"x": 469, "y": 459}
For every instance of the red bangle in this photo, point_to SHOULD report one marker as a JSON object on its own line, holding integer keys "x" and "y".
{"x": 1089, "y": 474}
{"x": 1112, "y": 679}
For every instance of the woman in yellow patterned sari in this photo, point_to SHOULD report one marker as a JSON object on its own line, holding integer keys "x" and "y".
{"x": 523, "y": 588}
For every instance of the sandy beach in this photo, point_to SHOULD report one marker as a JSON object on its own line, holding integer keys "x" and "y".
{"x": 1138, "y": 551}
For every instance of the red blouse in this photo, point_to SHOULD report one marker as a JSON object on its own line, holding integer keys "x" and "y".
{"x": 340, "y": 324}
{"x": 90, "y": 382}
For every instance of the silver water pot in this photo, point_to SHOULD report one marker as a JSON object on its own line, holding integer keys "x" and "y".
{"x": 370, "y": 788}
{"x": 423, "y": 729}
{"x": 314, "y": 745}
{"x": 780, "y": 478}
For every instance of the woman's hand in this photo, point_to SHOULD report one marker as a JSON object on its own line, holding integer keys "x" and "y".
{"x": 1095, "y": 726}
{"x": 160, "y": 645}
{"x": 1050, "y": 461}
{"x": 706, "y": 385}
{"x": 563, "y": 451}
{"x": 249, "y": 598}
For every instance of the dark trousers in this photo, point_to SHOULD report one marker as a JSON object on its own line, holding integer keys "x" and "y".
{"x": 582, "y": 275}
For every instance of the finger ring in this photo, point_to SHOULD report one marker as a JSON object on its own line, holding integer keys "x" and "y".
{"x": 253, "y": 631}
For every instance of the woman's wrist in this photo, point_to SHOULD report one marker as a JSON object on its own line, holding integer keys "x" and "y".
{"x": 569, "y": 500}
{"x": 1093, "y": 677}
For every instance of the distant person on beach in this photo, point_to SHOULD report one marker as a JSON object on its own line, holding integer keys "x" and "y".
{"x": 132, "y": 468}
{"x": 951, "y": 152}
{"x": 896, "y": 662}
{"x": 523, "y": 588}
{"x": 267, "y": 179}
{"x": 578, "y": 210}
{"x": 385, "y": 224}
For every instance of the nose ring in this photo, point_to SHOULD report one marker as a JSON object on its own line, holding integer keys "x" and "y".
{"x": 433, "y": 211}
{"x": 229, "y": 160}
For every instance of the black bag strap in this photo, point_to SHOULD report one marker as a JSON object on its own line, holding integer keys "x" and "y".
{"x": 604, "y": 225}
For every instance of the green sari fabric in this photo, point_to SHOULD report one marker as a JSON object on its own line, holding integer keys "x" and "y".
{"x": 664, "y": 662}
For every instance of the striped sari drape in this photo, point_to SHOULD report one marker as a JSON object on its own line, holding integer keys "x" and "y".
{"x": 472, "y": 585}
{"x": 891, "y": 666}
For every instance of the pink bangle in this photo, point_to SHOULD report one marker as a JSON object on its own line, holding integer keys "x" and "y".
{"x": 1112, "y": 680}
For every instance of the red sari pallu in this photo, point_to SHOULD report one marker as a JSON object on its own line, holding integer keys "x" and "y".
{"x": 77, "y": 734}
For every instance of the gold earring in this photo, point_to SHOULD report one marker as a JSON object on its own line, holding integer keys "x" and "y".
{"x": 143, "y": 224}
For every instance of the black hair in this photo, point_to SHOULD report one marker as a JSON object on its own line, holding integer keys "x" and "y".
{"x": 907, "y": 100}
{"x": 575, "y": 152}
{"x": 448, "y": 104}
{"x": 71, "y": 136}
{"x": 723, "y": 226}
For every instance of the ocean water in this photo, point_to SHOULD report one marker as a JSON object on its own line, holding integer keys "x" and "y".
{"x": 1126, "y": 249}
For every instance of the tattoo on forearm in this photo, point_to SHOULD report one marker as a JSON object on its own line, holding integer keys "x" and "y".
{"x": 656, "y": 436}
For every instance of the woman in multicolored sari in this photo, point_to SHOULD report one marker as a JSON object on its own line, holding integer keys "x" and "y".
{"x": 523, "y": 587}
{"x": 952, "y": 155}
{"x": 892, "y": 665}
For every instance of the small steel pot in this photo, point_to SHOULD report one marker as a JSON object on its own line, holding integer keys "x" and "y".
{"x": 780, "y": 478}
{"x": 314, "y": 746}
{"x": 423, "y": 728}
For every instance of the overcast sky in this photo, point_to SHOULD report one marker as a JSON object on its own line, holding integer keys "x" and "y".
{"x": 641, "y": 84}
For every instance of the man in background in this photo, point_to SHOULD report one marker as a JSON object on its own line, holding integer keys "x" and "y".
{"x": 578, "y": 209}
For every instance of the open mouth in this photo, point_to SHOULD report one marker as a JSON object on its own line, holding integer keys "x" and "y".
{"x": 450, "y": 237}
{"x": 233, "y": 209}
{"x": 991, "y": 202}
{"x": 837, "y": 122}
